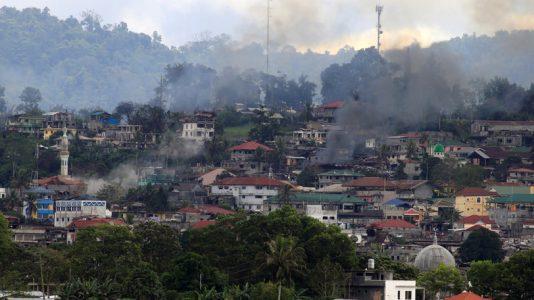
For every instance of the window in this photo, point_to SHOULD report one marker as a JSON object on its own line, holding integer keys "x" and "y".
{"x": 408, "y": 295}
{"x": 478, "y": 200}
{"x": 258, "y": 197}
{"x": 258, "y": 206}
{"x": 398, "y": 294}
{"x": 325, "y": 218}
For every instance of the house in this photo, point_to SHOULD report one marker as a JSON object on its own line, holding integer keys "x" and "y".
{"x": 509, "y": 212}
{"x": 373, "y": 284}
{"x": 336, "y": 176}
{"x": 313, "y": 133}
{"x": 489, "y": 156}
{"x": 29, "y": 234}
{"x": 249, "y": 193}
{"x": 413, "y": 216}
{"x": 412, "y": 168}
{"x": 521, "y": 175}
{"x": 3, "y": 193}
{"x": 99, "y": 120}
{"x": 210, "y": 177}
{"x": 68, "y": 210}
{"x": 245, "y": 158}
{"x": 56, "y": 122}
{"x": 26, "y": 124}
{"x": 324, "y": 207}
{"x": 128, "y": 136}
{"x": 472, "y": 201}
{"x": 394, "y": 208}
{"x": 379, "y": 190}
{"x": 64, "y": 186}
{"x": 326, "y": 113}
{"x": 397, "y": 227}
{"x": 202, "y": 224}
{"x": 200, "y": 127}
{"x": 86, "y": 222}
{"x": 475, "y": 220}
{"x": 505, "y": 133}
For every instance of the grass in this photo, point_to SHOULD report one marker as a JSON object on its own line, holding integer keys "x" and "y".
{"x": 237, "y": 133}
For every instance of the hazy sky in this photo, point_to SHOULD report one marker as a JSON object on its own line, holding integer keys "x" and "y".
{"x": 316, "y": 24}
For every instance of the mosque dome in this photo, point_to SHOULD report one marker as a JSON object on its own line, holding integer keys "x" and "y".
{"x": 439, "y": 148}
{"x": 432, "y": 256}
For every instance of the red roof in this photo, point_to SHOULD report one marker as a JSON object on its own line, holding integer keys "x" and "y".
{"x": 466, "y": 296}
{"x": 333, "y": 105}
{"x": 202, "y": 224}
{"x": 59, "y": 180}
{"x": 263, "y": 181}
{"x": 366, "y": 182}
{"x": 251, "y": 145}
{"x": 412, "y": 212}
{"x": 215, "y": 210}
{"x": 189, "y": 210}
{"x": 476, "y": 227}
{"x": 90, "y": 222}
{"x": 397, "y": 223}
{"x": 475, "y": 218}
{"x": 476, "y": 191}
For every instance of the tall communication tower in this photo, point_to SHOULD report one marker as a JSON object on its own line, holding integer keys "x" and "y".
{"x": 379, "y": 31}
{"x": 267, "y": 52}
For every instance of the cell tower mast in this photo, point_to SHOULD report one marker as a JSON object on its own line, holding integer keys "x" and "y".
{"x": 267, "y": 52}
{"x": 379, "y": 31}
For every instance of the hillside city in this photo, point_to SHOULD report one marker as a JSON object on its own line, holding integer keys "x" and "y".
{"x": 377, "y": 182}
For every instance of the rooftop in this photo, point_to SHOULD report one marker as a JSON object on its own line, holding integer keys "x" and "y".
{"x": 340, "y": 173}
{"x": 333, "y": 105}
{"x": 515, "y": 199}
{"x": 90, "y": 222}
{"x": 466, "y": 296}
{"x": 394, "y": 223}
{"x": 475, "y": 219}
{"x": 476, "y": 191}
{"x": 260, "y": 181}
{"x": 250, "y": 145}
{"x": 202, "y": 224}
{"x": 320, "y": 198}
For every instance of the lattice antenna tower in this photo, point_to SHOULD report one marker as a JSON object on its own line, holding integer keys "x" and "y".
{"x": 379, "y": 31}
{"x": 267, "y": 51}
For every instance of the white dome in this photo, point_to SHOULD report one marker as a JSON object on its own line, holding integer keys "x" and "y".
{"x": 432, "y": 256}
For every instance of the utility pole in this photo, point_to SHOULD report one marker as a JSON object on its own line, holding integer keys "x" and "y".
{"x": 379, "y": 31}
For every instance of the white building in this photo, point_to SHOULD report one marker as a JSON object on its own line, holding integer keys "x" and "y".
{"x": 64, "y": 154}
{"x": 3, "y": 193}
{"x": 200, "y": 128}
{"x": 249, "y": 192}
{"x": 67, "y": 210}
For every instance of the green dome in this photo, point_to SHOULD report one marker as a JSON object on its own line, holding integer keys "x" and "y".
{"x": 438, "y": 148}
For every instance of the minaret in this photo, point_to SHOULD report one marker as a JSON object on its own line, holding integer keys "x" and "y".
{"x": 64, "y": 153}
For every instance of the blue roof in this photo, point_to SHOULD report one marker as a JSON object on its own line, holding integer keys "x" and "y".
{"x": 397, "y": 202}
{"x": 45, "y": 201}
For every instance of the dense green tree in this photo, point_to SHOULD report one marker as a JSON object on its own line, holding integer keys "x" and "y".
{"x": 192, "y": 272}
{"x": 104, "y": 252}
{"x": 481, "y": 244}
{"x": 89, "y": 289}
{"x": 159, "y": 244}
{"x": 111, "y": 192}
{"x": 264, "y": 128}
{"x": 5, "y": 241}
{"x": 269, "y": 291}
{"x": 152, "y": 118}
{"x": 484, "y": 276}
{"x": 30, "y": 98}
{"x": 142, "y": 283}
{"x": 401, "y": 271}
{"x": 125, "y": 110}
{"x": 443, "y": 279}
{"x": 517, "y": 274}
{"x": 154, "y": 197}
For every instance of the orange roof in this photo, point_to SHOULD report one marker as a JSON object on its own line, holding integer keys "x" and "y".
{"x": 333, "y": 105}
{"x": 475, "y": 218}
{"x": 91, "y": 222}
{"x": 367, "y": 182}
{"x": 202, "y": 224}
{"x": 522, "y": 170}
{"x": 397, "y": 223}
{"x": 189, "y": 210}
{"x": 263, "y": 181}
{"x": 251, "y": 145}
{"x": 59, "y": 180}
{"x": 215, "y": 210}
{"x": 466, "y": 296}
{"x": 476, "y": 191}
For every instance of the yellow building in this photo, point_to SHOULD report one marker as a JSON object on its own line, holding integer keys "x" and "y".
{"x": 472, "y": 201}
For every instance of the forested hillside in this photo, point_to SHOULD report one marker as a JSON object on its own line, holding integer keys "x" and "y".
{"x": 83, "y": 63}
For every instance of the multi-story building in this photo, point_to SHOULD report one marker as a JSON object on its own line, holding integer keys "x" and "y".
{"x": 325, "y": 207}
{"x": 337, "y": 176}
{"x": 24, "y": 123}
{"x": 472, "y": 201}
{"x": 3, "y": 193}
{"x": 55, "y": 122}
{"x": 200, "y": 127}
{"x": 67, "y": 210}
{"x": 378, "y": 190}
{"x": 373, "y": 284}
{"x": 249, "y": 193}
{"x": 326, "y": 113}
{"x": 503, "y": 133}
{"x": 245, "y": 158}
{"x": 510, "y": 212}
{"x": 521, "y": 175}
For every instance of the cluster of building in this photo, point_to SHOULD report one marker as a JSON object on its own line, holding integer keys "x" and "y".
{"x": 99, "y": 127}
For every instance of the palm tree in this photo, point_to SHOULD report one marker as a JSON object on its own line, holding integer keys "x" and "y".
{"x": 284, "y": 258}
